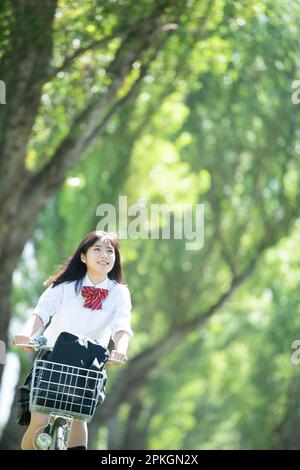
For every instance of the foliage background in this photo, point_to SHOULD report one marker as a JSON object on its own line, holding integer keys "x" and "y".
{"x": 210, "y": 121}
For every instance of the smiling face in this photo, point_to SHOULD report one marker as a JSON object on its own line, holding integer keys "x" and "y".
{"x": 99, "y": 258}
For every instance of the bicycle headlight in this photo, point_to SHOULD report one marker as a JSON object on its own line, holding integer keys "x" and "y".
{"x": 43, "y": 441}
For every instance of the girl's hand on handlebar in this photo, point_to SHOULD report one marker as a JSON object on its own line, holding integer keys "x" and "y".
{"x": 20, "y": 339}
{"x": 117, "y": 356}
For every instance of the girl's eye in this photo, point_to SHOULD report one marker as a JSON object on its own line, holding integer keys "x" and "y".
{"x": 98, "y": 249}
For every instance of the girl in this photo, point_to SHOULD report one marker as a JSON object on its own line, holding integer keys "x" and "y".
{"x": 87, "y": 298}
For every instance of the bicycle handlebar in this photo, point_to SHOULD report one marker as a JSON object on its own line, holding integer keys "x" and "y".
{"x": 41, "y": 344}
{"x": 34, "y": 346}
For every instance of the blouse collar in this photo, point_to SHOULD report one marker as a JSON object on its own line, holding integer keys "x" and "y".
{"x": 87, "y": 282}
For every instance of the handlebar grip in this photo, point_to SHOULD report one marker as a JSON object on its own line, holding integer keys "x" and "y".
{"x": 115, "y": 360}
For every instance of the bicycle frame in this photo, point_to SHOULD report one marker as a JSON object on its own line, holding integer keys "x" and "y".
{"x": 64, "y": 393}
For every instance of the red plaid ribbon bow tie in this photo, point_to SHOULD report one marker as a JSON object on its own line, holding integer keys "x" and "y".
{"x": 93, "y": 297}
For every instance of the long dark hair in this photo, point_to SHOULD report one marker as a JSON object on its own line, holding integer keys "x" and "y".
{"x": 74, "y": 269}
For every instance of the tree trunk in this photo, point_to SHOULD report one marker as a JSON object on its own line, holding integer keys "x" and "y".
{"x": 287, "y": 432}
{"x": 136, "y": 428}
{"x": 12, "y": 433}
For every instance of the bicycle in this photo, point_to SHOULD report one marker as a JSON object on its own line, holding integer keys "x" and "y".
{"x": 64, "y": 393}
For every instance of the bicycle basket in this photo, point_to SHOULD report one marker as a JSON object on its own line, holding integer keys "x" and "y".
{"x": 72, "y": 391}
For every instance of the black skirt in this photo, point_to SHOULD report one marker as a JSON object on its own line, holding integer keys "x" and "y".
{"x": 23, "y": 392}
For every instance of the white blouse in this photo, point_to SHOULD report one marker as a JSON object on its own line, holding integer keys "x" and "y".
{"x": 65, "y": 308}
